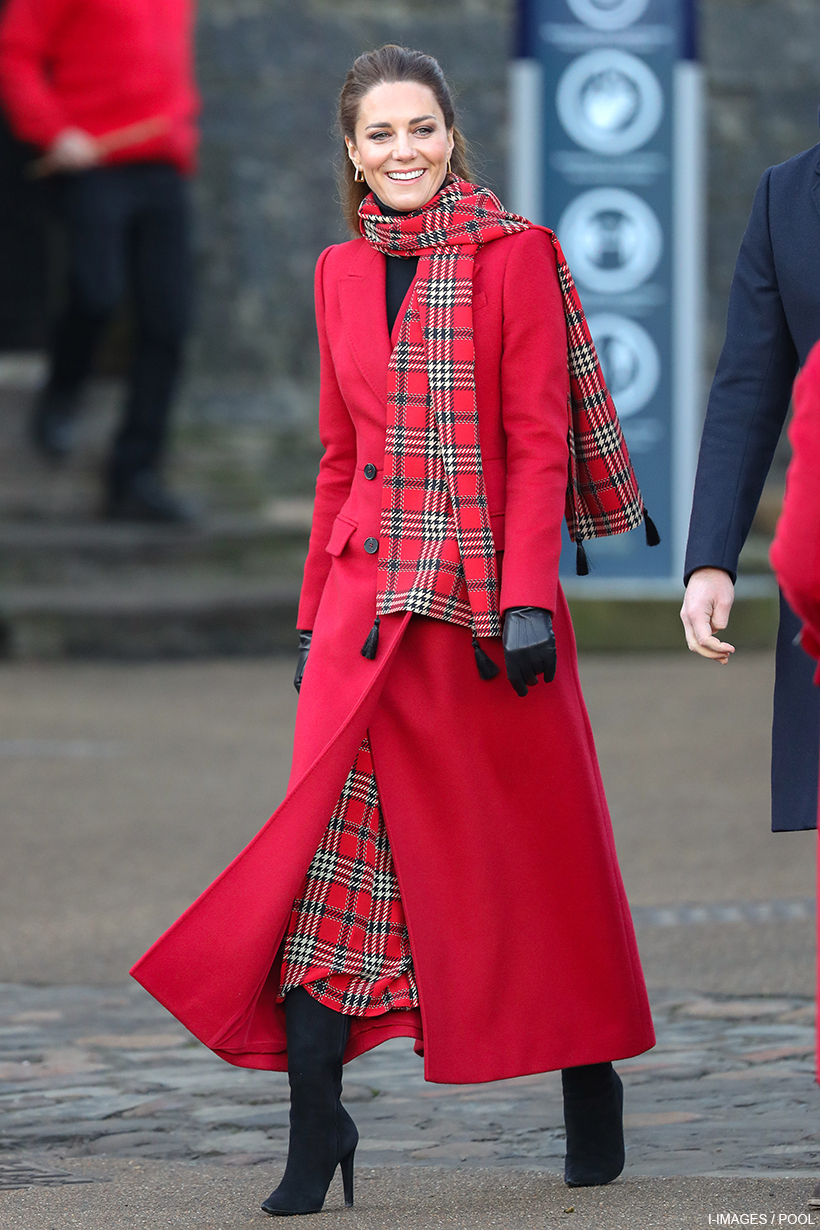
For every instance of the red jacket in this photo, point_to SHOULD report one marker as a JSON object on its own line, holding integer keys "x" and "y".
{"x": 523, "y": 447}
{"x": 101, "y": 65}
{"x": 795, "y": 552}
{"x": 522, "y": 943}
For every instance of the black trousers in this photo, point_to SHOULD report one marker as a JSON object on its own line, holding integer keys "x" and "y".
{"x": 128, "y": 228}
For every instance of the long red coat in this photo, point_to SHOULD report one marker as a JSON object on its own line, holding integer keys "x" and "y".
{"x": 521, "y": 935}
{"x": 795, "y": 552}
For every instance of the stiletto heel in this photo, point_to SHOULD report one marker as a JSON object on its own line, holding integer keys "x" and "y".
{"x": 346, "y": 1165}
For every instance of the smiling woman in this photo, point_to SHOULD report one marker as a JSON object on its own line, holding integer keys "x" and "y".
{"x": 400, "y": 132}
{"x": 442, "y": 867}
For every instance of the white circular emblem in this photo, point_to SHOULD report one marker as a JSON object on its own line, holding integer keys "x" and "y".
{"x": 609, "y": 101}
{"x": 629, "y": 360}
{"x": 612, "y": 240}
{"x": 608, "y": 14}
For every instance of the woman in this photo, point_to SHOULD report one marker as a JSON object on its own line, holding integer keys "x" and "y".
{"x": 459, "y": 884}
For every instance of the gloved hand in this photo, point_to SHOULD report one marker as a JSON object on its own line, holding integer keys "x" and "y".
{"x": 304, "y": 646}
{"x": 529, "y": 646}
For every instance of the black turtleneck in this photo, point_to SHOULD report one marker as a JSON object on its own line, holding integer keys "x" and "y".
{"x": 400, "y": 273}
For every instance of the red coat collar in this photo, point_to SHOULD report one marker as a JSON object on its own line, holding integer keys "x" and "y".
{"x": 362, "y": 303}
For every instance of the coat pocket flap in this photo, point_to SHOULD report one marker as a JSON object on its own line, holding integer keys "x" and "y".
{"x": 339, "y": 536}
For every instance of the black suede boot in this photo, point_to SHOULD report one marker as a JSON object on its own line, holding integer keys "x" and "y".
{"x": 322, "y": 1134}
{"x": 594, "y": 1118}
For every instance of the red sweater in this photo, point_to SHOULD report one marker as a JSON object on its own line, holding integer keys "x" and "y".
{"x": 101, "y": 65}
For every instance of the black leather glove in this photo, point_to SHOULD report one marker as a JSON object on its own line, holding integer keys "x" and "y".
{"x": 529, "y": 646}
{"x": 304, "y": 646}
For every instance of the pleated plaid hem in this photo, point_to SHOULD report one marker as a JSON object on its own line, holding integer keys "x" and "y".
{"x": 347, "y": 940}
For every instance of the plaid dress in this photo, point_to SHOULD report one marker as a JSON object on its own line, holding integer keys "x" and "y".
{"x": 347, "y": 940}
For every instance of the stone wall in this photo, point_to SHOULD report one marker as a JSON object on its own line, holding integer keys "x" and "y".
{"x": 270, "y": 72}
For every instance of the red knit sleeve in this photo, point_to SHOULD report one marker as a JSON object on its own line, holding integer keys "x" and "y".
{"x": 534, "y": 393}
{"x": 337, "y": 468}
{"x": 795, "y": 552}
{"x": 27, "y": 28}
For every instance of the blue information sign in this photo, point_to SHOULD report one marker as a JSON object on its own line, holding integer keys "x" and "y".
{"x": 618, "y": 179}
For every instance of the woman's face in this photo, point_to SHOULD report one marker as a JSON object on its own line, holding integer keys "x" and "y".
{"x": 402, "y": 144}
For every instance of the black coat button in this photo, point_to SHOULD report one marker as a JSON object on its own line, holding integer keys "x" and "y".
{"x": 370, "y": 470}
{"x": 371, "y": 545}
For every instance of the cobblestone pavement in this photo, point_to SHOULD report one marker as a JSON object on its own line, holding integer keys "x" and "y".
{"x": 106, "y": 1072}
{"x": 125, "y": 790}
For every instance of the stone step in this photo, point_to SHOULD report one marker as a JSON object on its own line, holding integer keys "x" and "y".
{"x": 76, "y": 553}
{"x": 650, "y": 624}
{"x": 157, "y": 617}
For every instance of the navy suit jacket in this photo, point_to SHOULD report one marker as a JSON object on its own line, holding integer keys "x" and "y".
{"x": 773, "y": 322}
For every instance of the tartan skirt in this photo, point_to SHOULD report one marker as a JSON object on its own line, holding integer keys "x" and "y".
{"x": 347, "y": 942}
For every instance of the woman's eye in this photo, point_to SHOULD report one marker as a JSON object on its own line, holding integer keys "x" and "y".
{"x": 423, "y": 132}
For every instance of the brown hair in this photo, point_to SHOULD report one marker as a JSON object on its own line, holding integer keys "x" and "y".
{"x": 387, "y": 64}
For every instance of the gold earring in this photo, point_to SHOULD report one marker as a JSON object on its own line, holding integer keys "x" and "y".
{"x": 449, "y": 167}
{"x": 358, "y": 178}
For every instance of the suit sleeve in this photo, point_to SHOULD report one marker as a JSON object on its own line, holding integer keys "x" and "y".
{"x": 747, "y": 405}
{"x": 27, "y": 30}
{"x": 337, "y": 468}
{"x": 795, "y": 552}
{"x": 534, "y": 403}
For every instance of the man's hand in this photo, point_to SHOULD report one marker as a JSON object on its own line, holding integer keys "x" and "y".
{"x": 73, "y": 150}
{"x": 706, "y": 607}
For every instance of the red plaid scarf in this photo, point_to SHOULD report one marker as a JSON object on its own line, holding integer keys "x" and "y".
{"x": 435, "y": 525}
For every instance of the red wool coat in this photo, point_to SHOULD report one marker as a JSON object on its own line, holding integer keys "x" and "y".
{"x": 521, "y": 935}
{"x": 795, "y": 552}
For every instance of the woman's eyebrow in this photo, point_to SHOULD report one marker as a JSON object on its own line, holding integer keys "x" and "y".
{"x": 387, "y": 124}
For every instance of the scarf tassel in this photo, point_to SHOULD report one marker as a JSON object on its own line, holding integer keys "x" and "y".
{"x": 581, "y": 561}
{"x": 487, "y": 669}
{"x": 652, "y": 535}
{"x": 372, "y": 643}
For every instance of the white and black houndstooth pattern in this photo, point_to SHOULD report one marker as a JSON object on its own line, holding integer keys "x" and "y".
{"x": 347, "y": 939}
{"x": 602, "y": 496}
{"x": 602, "y": 493}
{"x": 438, "y": 560}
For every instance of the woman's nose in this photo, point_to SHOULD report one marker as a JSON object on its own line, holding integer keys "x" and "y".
{"x": 404, "y": 147}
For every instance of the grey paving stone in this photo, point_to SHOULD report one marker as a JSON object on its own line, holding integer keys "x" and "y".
{"x": 243, "y": 1116}
{"x": 729, "y": 1087}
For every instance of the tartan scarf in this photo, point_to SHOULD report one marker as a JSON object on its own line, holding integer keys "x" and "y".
{"x": 438, "y": 557}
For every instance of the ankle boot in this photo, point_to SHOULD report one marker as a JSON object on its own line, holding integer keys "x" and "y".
{"x": 593, "y": 1114}
{"x": 322, "y": 1134}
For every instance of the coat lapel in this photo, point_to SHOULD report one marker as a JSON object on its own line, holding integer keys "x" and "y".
{"x": 364, "y": 312}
